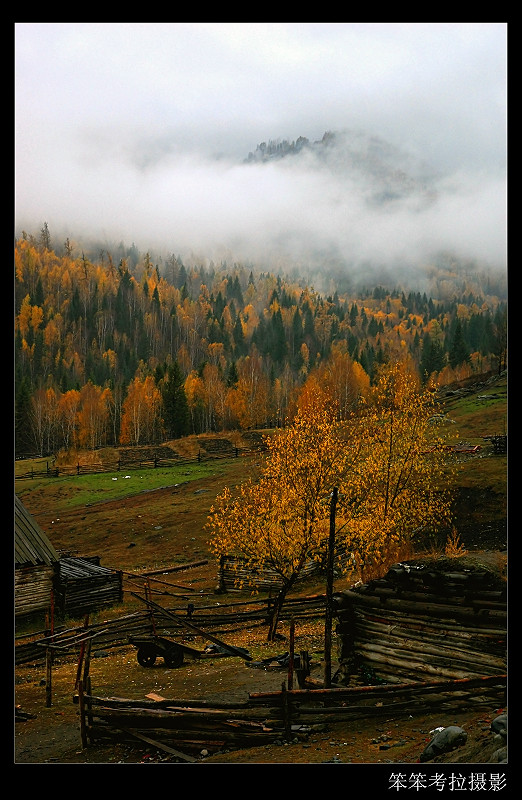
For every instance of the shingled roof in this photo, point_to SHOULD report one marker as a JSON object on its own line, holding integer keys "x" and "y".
{"x": 32, "y": 545}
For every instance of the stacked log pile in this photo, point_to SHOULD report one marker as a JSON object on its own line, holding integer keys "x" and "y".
{"x": 82, "y": 585}
{"x": 444, "y": 619}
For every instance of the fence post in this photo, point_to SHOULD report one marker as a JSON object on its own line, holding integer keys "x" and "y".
{"x": 291, "y": 656}
{"x": 48, "y": 677}
{"x": 286, "y": 711}
{"x": 81, "y": 702}
{"x": 82, "y": 653}
{"x": 146, "y": 587}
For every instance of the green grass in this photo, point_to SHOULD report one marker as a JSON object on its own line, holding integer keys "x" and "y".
{"x": 82, "y": 490}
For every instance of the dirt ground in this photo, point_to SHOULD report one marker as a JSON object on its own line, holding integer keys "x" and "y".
{"x": 125, "y": 533}
{"x": 52, "y": 734}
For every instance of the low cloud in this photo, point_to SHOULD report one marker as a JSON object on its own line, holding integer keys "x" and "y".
{"x": 151, "y": 150}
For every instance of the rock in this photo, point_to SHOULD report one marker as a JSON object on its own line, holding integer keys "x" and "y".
{"x": 499, "y": 725}
{"x": 499, "y": 756}
{"x": 448, "y": 739}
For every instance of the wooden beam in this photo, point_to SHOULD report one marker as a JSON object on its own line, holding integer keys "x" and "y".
{"x": 184, "y": 623}
{"x": 159, "y": 745}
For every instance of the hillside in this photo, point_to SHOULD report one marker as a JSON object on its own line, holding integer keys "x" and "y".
{"x": 161, "y": 525}
{"x": 206, "y": 347}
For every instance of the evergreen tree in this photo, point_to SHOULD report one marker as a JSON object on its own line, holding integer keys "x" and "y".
{"x": 232, "y": 376}
{"x": 433, "y": 357}
{"x": 24, "y": 443}
{"x": 176, "y": 413}
{"x": 459, "y": 351}
{"x": 45, "y": 237}
{"x": 239, "y": 337}
{"x": 277, "y": 346}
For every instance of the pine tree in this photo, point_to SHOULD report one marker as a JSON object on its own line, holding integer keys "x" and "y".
{"x": 23, "y": 438}
{"x": 433, "y": 357}
{"x": 459, "y": 351}
{"x": 176, "y": 414}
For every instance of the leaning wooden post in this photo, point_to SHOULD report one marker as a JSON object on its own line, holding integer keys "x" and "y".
{"x": 329, "y": 594}
{"x": 87, "y": 664}
{"x": 82, "y": 653}
{"x": 151, "y": 612}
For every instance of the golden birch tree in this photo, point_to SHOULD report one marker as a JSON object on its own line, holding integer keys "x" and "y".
{"x": 281, "y": 520}
{"x": 141, "y": 412}
{"x": 386, "y": 463}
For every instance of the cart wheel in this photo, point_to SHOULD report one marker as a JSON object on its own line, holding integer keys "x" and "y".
{"x": 174, "y": 657}
{"x": 146, "y": 657}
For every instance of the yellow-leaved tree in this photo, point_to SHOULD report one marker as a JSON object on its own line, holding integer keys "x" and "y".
{"x": 407, "y": 466}
{"x": 384, "y": 464}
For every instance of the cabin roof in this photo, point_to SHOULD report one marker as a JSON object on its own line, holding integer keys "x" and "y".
{"x": 32, "y": 545}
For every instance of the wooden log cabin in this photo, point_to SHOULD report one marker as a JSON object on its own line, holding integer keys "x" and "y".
{"x": 43, "y": 577}
{"x": 36, "y": 562}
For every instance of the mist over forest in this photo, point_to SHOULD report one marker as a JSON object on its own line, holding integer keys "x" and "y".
{"x": 354, "y": 148}
{"x": 347, "y": 207}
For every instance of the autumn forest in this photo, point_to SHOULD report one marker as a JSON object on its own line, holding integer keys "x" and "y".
{"x": 118, "y": 347}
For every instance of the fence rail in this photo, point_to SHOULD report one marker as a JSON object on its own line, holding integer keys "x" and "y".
{"x": 115, "y": 633}
{"x": 128, "y": 465}
{"x": 268, "y": 716}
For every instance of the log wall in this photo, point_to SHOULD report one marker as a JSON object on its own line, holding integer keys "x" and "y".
{"x": 234, "y": 572}
{"x": 423, "y": 622}
{"x": 33, "y": 588}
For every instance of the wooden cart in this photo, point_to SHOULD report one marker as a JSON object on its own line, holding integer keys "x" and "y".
{"x": 173, "y": 653}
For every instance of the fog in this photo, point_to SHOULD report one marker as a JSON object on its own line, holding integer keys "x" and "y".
{"x": 140, "y": 132}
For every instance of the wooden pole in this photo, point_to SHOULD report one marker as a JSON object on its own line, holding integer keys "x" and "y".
{"x": 48, "y": 677}
{"x": 148, "y": 597}
{"x": 82, "y": 653}
{"x": 83, "y": 732}
{"x": 329, "y": 594}
{"x": 286, "y": 711}
{"x": 291, "y": 656}
{"x": 87, "y": 664}
{"x": 52, "y": 612}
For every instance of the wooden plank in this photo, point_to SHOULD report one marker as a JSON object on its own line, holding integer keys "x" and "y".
{"x": 177, "y": 568}
{"x": 159, "y": 745}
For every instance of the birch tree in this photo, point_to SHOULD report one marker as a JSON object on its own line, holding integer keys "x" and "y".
{"x": 387, "y": 462}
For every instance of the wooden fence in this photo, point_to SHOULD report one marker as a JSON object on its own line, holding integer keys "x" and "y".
{"x": 170, "y": 724}
{"x": 154, "y": 462}
{"x": 225, "y": 618}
